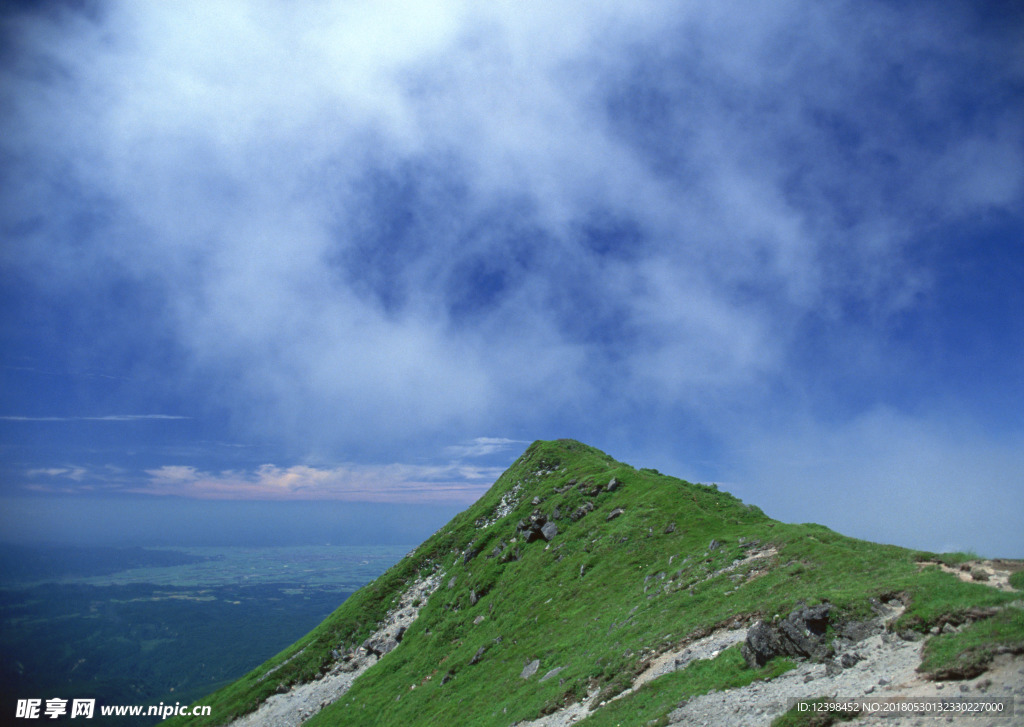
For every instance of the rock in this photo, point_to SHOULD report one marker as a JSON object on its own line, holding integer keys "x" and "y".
{"x": 473, "y": 598}
{"x": 451, "y": 583}
{"x": 762, "y": 645}
{"x": 615, "y": 513}
{"x": 478, "y": 655}
{"x": 979, "y": 574}
{"x": 536, "y": 501}
{"x": 380, "y": 646}
{"x": 553, "y": 672}
{"x": 715, "y": 545}
{"x": 530, "y": 669}
{"x": 670, "y": 528}
{"x": 612, "y": 485}
{"x": 849, "y": 659}
{"x": 549, "y": 530}
{"x": 801, "y": 633}
{"x": 582, "y": 510}
{"x": 469, "y": 554}
{"x": 556, "y": 514}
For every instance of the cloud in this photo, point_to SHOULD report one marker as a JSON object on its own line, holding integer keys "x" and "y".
{"x": 403, "y": 218}
{"x": 375, "y": 229}
{"x": 106, "y": 418}
{"x": 395, "y": 483}
{"x": 483, "y": 447}
{"x": 72, "y": 473}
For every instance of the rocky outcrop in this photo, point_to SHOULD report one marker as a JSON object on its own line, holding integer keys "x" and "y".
{"x": 800, "y": 634}
{"x": 536, "y": 527}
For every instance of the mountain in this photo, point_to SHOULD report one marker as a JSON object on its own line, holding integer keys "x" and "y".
{"x": 581, "y": 588}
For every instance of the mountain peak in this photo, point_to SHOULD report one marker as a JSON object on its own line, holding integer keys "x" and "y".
{"x": 574, "y": 574}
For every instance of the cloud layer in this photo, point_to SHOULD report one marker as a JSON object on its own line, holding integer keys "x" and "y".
{"x": 355, "y": 227}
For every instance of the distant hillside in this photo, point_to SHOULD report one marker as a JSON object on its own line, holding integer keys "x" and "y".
{"x": 580, "y": 588}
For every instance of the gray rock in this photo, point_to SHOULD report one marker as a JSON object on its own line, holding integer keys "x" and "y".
{"x": 530, "y": 669}
{"x": 670, "y": 528}
{"x": 801, "y": 633}
{"x": 478, "y": 655}
{"x": 549, "y": 530}
{"x": 612, "y": 485}
{"x": 553, "y": 672}
{"x": 849, "y": 659}
{"x": 380, "y": 646}
{"x": 715, "y": 545}
{"x": 582, "y": 510}
{"x": 615, "y": 513}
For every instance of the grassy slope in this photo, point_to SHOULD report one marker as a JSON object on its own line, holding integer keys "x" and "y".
{"x": 600, "y": 626}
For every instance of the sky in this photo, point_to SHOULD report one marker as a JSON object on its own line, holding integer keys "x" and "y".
{"x": 267, "y": 264}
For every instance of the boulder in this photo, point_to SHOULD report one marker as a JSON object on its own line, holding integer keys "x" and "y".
{"x": 800, "y": 634}
{"x": 615, "y": 513}
{"x": 612, "y": 485}
{"x": 582, "y": 510}
{"x": 478, "y": 655}
{"x": 530, "y": 669}
{"x": 549, "y": 531}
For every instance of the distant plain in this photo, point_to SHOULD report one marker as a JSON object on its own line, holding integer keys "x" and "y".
{"x": 140, "y": 626}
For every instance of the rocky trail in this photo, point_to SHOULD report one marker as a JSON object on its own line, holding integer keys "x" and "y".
{"x": 870, "y": 662}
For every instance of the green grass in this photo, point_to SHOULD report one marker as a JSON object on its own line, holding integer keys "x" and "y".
{"x": 649, "y": 580}
{"x": 967, "y": 654}
{"x": 1017, "y": 580}
{"x": 651, "y": 704}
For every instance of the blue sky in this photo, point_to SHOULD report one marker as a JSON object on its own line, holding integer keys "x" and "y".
{"x": 361, "y": 254}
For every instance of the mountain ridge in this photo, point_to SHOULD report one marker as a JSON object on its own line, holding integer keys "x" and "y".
{"x": 575, "y": 572}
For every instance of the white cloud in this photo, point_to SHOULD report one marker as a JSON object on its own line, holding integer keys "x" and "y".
{"x": 317, "y": 196}
{"x": 104, "y": 418}
{"x": 483, "y": 447}
{"x": 396, "y": 483}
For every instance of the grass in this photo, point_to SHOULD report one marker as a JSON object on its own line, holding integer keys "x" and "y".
{"x": 596, "y": 602}
{"x": 1017, "y": 580}
{"x": 652, "y": 703}
{"x": 966, "y": 654}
